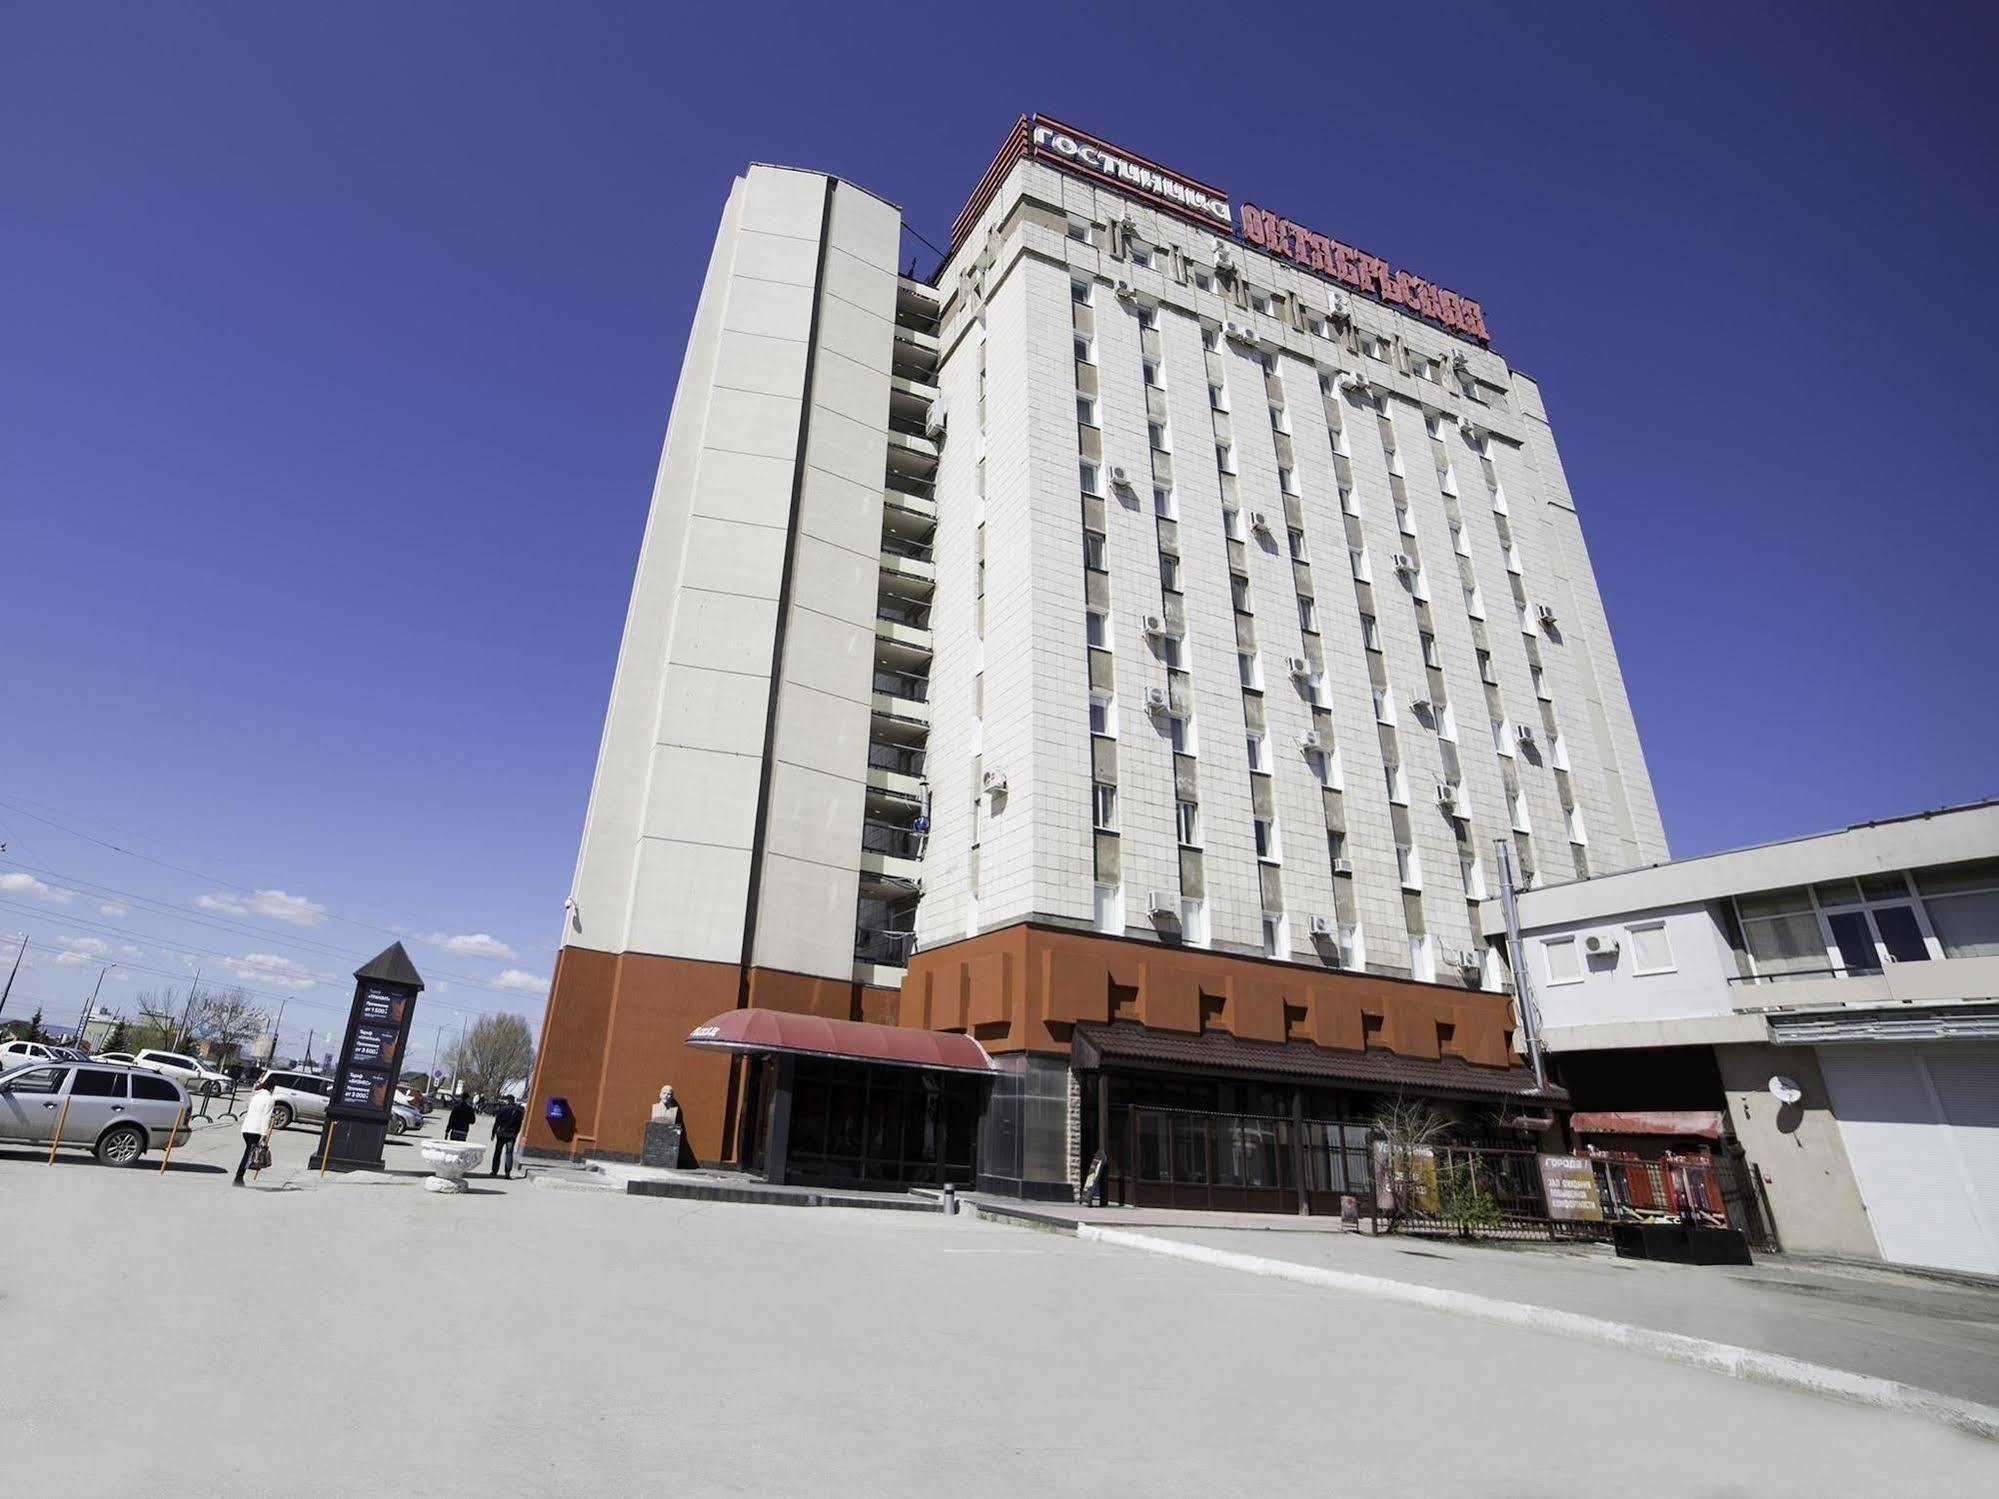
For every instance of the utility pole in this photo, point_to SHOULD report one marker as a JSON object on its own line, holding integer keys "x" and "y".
{"x": 90, "y": 1008}
{"x": 18, "y": 953}
{"x": 1516, "y": 954}
{"x": 277, "y": 1031}
{"x": 308, "y": 1049}
{"x": 187, "y": 1010}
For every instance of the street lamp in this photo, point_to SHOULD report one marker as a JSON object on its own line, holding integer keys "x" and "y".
{"x": 90, "y": 1008}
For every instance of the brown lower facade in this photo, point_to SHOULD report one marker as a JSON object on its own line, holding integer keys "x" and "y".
{"x": 615, "y": 1032}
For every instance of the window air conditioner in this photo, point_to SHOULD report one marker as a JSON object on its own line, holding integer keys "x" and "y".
{"x": 1469, "y": 959}
{"x": 1123, "y": 290}
{"x": 1524, "y": 734}
{"x": 1342, "y": 866}
{"x": 1319, "y": 926}
{"x": 1404, "y": 563}
{"x": 1120, "y": 476}
{"x": 1600, "y": 946}
{"x": 1162, "y": 903}
{"x": 1152, "y": 624}
{"x": 1155, "y": 700}
{"x": 1310, "y": 741}
{"x": 1447, "y": 795}
{"x": 995, "y": 780}
{"x": 1236, "y": 331}
{"x": 1298, "y": 668}
{"x": 1258, "y": 521}
{"x": 1545, "y": 613}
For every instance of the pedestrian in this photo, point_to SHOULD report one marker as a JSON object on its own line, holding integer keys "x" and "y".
{"x": 506, "y": 1129}
{"x": 256, "y": 1125}
{"x": 458, "y": 1123}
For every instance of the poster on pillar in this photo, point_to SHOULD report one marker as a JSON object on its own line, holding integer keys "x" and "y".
{"x": 371, "y": 1059}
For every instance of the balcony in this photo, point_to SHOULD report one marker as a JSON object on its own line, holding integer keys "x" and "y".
{"x": 911, "y": 455}
{"x": 901, "y": 697}
{"x": 887, "y": 949}
{"x": 906, "y": 567}
{"x": 902, "y": 638}
{"x": 1935, "y": 981}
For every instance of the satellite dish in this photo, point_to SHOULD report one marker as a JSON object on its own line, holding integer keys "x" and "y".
{"x": 1785, "y": 1091}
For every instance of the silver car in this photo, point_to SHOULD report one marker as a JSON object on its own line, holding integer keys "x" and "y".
{"x": 298, "y": 1095}
{"x": 119, "y": 1113}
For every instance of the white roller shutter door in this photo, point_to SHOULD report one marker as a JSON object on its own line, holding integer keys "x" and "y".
{"x": 1921, "y": 1128}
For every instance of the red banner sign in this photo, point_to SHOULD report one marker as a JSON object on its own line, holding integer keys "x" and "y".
{"x": 1363, "y": 272}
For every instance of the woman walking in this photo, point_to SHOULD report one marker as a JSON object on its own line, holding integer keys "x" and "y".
{"x": 256, "y": 1125}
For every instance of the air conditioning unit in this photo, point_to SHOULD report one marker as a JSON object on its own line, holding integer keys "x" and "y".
{"x": 1545, "y": 613}
{"x": 1523, "y": 734}
{"x": 1404, "y": 563}
{"x": 1336, "y": 306}
{"x": 1319, "y": 926}
{"x": 1447, "y": 795}
{"x": 1237, "y": 332}
{"x": 1155, "y": 700}
{"x": 1311, "y": 742}
{"x": 1123, "y": 290}
{"x": 1424, "y": 706}
{"x": 1298, "y": 668}
{"x": 933, "y": 421}
{"x": 1342, "y": 866}
{"x": 1600, "y": 946}
{"x": 1258, "y": 521}
{"x": 1120, "y": 476}
{"x": 1153, "y": 625}
{"x": 1162, "y": 903}
{"x": 1470, "y": 960}
{"x": 995, "y": 780}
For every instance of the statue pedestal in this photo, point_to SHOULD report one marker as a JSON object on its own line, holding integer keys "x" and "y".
{"x": 663, "y": 1144}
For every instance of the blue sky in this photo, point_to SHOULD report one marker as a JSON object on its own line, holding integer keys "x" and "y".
{"x": 337, "y": 345}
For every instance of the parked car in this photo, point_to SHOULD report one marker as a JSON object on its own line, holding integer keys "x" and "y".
{"x": 122, "y": 1058}
{"x": 118, "y": 1113}
{"x": 189, "y": 1072}
{"x": 404, "y": 1117}
{"x": 14, "y": 1053}
{"x": 298, "y": 1095}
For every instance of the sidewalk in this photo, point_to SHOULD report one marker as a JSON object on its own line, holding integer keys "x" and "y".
{"x": 1862, "y": 1319}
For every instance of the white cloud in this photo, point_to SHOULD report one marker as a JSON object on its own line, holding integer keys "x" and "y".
{"x": 277, "y": 905}
{"x": 15, "y": 883}
{"x": 130, "y": 950}
{"x": 80, "y": 950}
{"x": 269, "y": 968}
{"x": 115, "y": 908}
{"x": 467, "y": 944}
{"x": 521, "y": 979}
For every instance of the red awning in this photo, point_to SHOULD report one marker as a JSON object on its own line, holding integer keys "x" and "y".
{"x": 844, "y": 1040}
{"x": 1699, "y": 1124}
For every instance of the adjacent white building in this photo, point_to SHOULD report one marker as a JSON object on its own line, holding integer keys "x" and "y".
{"x": 1858, "y": 970}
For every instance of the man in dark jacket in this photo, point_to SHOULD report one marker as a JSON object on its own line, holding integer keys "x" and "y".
{"x": 507, "y": 1120}
{"x": 458, "y": 1123}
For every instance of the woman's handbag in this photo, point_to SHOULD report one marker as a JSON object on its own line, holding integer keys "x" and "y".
{"x": 261, "y": 1161}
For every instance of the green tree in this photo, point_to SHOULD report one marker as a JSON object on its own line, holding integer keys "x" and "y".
{"x": 116, "y": 1040}
{"x": 34, "y": 1025}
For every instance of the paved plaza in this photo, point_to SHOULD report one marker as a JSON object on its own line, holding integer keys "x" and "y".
{"x": 172, "y": 1335}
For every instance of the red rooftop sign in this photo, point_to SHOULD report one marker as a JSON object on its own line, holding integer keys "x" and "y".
{"x": 1363, "y": 272}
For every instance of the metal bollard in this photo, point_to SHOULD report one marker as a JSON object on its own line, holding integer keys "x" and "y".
{"x": 950, "y": 1198}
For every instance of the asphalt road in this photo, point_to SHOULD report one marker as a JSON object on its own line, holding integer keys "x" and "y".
{"x": 169, "y": 1335}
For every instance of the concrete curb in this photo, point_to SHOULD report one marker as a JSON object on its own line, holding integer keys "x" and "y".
{"x": 1700, "y": 1353}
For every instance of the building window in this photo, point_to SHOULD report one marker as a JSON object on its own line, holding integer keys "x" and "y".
{"x": 1097, "y": 629}
{"x": 1148, "y": 314}
{"x": 1079, "y": 291}
{"x": 1409, "y": 867}
{"x": 1273, "y": 936}
{"x": 1423, "y": 960}
{"x": 1254, "y": 742}
{"x": 1963, "y": 907}
{"x": 1193, "y": 922}
{"x": 1092, "y": 478}
{"x": 1225, "y": 457}
{"x": 1103, "y": 808}
{"x": 1239, "y": 592}
{"x": 1651, "y": 949}
{"x": 1086, "y": 411}
{"x": 1540, "y": 683}
{"x": 1155, "y": 433}
{"x": 1162, "y": 502}
{"x": 1487, "y": 672}
{"x": 1211, "y": 337}
{"x": 1473, "y": 878}
{"x": 1563, "y": 961}
{"x": 1336, "y": 847}
{"x": 1358, "y": 562}
{"x": 1179, "y": 734}
{"x": 1085, "y": 352}
{"x": 1169, "y": 572}
{"x": 1308, "y": 615}
{"x": 1266, "y": 840}
{"x": 1370, "y": 633}
{"x": 1781, "y": 931}
{"x": 1398, "y": 784}
{"x": 1246, "y": 668}
{"x": 1218, "y": 396}
{"x": 1202, "y": 280}
{"x": 1109, "y": 909}
{"x": 1093, "y": 551}
{"x": 1141, "y": 256}
{"x": 1431, "y": 657}
{"x": 1080, "y": 231}
{"x": 1402, "y": 521}
{"x": 1187, "y": 816}
{"x": 1384, "y": 712}
{"x": 1325, "y": 768}
{"x": 1232, "y": 523}
{"x": 1169, "y": 651}
{"x": 1297, "y": 539}
{"x": 1103, "y": 715}
{"x": 1287, "y": 481}
{"x": 1151, "y": 372}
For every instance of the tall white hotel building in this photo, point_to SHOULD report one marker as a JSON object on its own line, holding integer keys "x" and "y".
{"x": 1126, "y": 648}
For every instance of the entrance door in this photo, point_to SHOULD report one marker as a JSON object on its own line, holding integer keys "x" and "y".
{"x": 1921, "y": 1128}
{"x": 1225, "y": 1162}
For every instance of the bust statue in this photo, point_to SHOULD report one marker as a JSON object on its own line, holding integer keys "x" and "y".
{"x": 666, "y": 1111}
